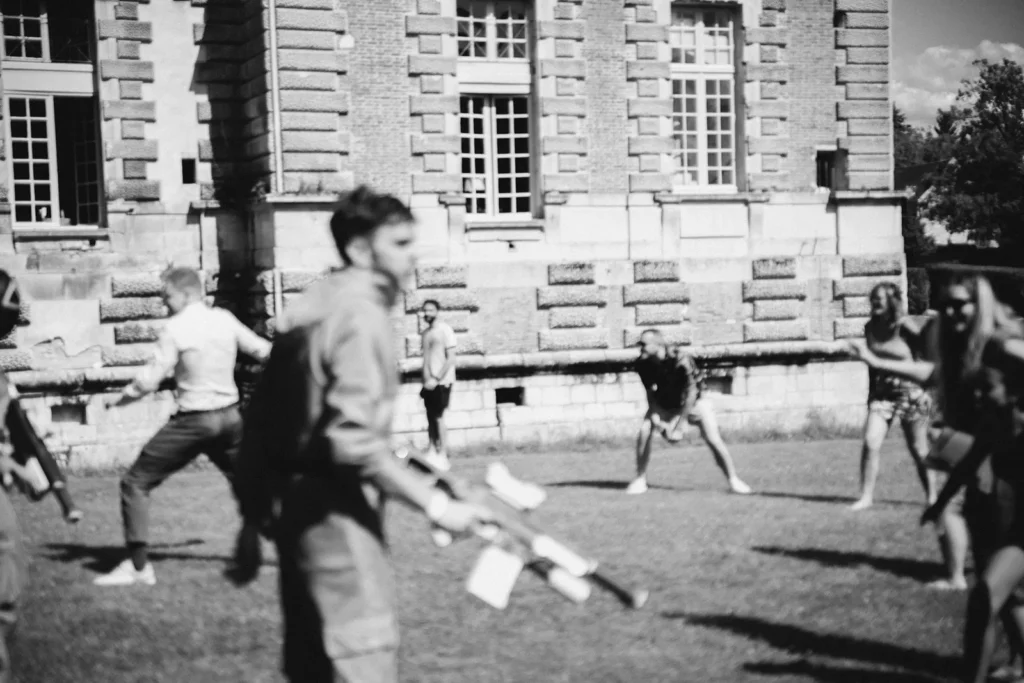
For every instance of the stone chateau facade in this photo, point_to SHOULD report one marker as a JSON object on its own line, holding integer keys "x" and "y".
{"x": 580, "y": 169}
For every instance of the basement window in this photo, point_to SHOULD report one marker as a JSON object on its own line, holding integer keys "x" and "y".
{"x": 831, "y": 169}
{"x": 513, "y": 395}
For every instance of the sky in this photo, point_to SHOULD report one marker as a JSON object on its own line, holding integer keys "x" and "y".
{"x": 935, "y": 41}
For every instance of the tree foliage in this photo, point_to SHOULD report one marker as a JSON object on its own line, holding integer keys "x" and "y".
{"x": 978, "y": 188}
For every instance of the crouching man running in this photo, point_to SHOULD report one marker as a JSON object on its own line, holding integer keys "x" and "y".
{"x": 674, "y": 385}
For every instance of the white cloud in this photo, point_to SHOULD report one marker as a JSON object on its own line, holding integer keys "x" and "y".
{"x": 931, "y": 81}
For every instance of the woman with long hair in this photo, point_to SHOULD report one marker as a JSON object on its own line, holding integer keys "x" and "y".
{"x": 891, "y": 397}
{"x": 977, "y": 370}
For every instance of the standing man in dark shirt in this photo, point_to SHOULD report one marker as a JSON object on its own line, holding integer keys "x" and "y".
{"x": 674, "y": 387}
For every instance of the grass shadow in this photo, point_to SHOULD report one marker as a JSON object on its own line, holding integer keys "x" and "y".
{"x": 803, "y": 641}
{"x": 825, "y": 673}
{"x": 918, "y": 570}
{"x": 608, "y": 485}
{"x": 100, "y": 558}
{"x": 817, "y": 498}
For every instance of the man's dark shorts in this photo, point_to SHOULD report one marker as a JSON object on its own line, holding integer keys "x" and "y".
{"x": 436, "y": 399}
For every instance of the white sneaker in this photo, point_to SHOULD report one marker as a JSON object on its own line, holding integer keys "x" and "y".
{"x": 637, "y": 486}
{"x": 736, "y": 485}
{"x": 125, "y": 574}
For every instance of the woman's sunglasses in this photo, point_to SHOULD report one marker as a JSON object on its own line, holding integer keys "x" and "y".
{"x": 955, "y": 305}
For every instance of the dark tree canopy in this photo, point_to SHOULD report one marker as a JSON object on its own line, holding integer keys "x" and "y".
{"x": 978, "y": 188}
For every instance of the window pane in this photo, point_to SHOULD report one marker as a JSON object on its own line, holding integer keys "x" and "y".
{"x": 17, "y": 107}
{"x": 37, "y": 108}
{"x": 478, "y": 146}
{"x": 19, "y": 150}
{"x": 41, "y": 171}
{"x": 34, "y": 49}
{"x": 519, "y": 105}
{"x": 519, "y": 50}
{"x": 713, "y": 178}
{"x": 43, "y": 213}
{"x": 691, "y": 87}
{"x": 501, "y": 126}
{"x": 43, "y": 192}
{"x": 480, "y": 168}
{"x": 505, "y": 165}
{"x": 22, "y": 172}
{"x": 22, "y": 192}
{"x": 23, "y": 213}
{"x": 503, "y": 146}
{"x": 40, "y": 150}
{"x": 504, "y": 205}
{"x": 523, "y": 205}
{"x": 522, "y": 145}
{"x": 522, "y": 184}
{"x": 38, "y": 129}
{"x": 31, "y": 28}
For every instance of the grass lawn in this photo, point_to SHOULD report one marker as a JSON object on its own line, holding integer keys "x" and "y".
{"x": 785, "y": 585}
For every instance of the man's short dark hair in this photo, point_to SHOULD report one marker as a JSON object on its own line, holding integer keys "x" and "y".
{"x": 362, "y": 211}
{"x": 431, "y": 301}
{"x": 183, "y": 280}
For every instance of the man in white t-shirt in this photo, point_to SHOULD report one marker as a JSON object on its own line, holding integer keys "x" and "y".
{"x": 438, "y": 342}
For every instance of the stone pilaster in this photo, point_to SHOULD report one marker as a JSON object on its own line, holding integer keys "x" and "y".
{"x": 649, "y": 107}
{"x": 129, "y": 179}
{"x": 779, "y": 302}
{"x": 865, "y": 109}
{"x": 767, "y": 72}
{"x": 434, "y": 100}
{"x": 563, "y": 100}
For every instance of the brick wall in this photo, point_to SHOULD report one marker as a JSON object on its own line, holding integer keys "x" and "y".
{"x": 606, "y": 100}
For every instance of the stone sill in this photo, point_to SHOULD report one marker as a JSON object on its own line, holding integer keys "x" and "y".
{"x": 687, "y": 198}
{"x": 852, "y": 195}
{"x": 300, "y": 199}
{"x": 60, "y": 234}
{"x": 621, "y": 359}
{"x": 503, "y": 231}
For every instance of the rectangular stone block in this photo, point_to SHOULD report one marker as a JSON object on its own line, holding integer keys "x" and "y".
{"x": 433, "y": 104}
{"x": 136, "y": 285}
{"x": 312, "y": 60}
{"x": 136, "y": 333}
{"x": 434, "y": 144}
{"x": 656, "y": 271}
{"x": 128, "y": 30}
{"x": 867, "y": 91}
{"x": 132, "y": 110}
{"x": 133, "y": 130}
{"x": 867, "y": 55}
{"x": 564, "y": 145}
{"x": 766, "y": 36}
{"x": 858, "y": 286}
{"x": 660, "y": 314}
{"x": 869, "y": 162}
{"x": 571, "y": 295}
{"x": 434, "y": 183}
{"x": 567, "y": 183}
{"x": 755, "y": 290}
{"x": 774, "y": 268}
{"x": 139, "y": 308}
{"x": 572, "y": 340}
{"x": 864, "y": 109}
{"x": 312, "y": 20}
{"x": 140, "y": 190}
{"x": 441, "y": 276}
{"x": 646, "y": 33}
{"x": 862, "y": 5}
{"x": 780, "y": 309}
{"x": 848, "y": 328}
{"x": 773, "y": 145}
{"x": 555, "y": 106}
{"x": 860, "y": 180}
{"x": 656, "y": 293}
{"x": 862, "y": 266}
{"x": 314, "y": 141}
{"x": 292, "y": 100}
{"x": 423, "y": 64}
{"x": 428, "y": 6}
{"x": 313, "y": 80}
{"x": 460, "y": 299}
{"x": 132, "y": 149}
{"x": 862, "y": 73}
{"x": 650, "y": 182}
{"x": 571, "y": 274}
{"x": 777, "y": 73}
{"x": 561, "y": 29}
{"x": 128, "y": 49}
{"x": 681, "y": 335}
{"x": 129, "y": 90}
{"x": 649, "y": 107}
{"x": 134, "y": 169}
{"x": 774, "y": 109}
{"x": 430, "y": 25}
{"x": 861, "y": 37}
{"x": 873, "y": 127}
{"x": 129, "y": 70}
{"x": 567, "y": 68}
{"x": 787, "y": 330}
{"x": 874, "y": 144}
{"x": 574, "y": 317}
{"x": 306, "y": 40}
{"x": 651, "y": 145}
{"x": 857, "y": 307}
{"x": 642, "y": 70}
{"x": 866, "y": 20}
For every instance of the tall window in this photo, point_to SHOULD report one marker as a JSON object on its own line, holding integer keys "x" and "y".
{"x": 496, "y": 155}
{"x": 703, "y": 97}
{"x": 52, "y": 126}
{"x": 493, "y": 29}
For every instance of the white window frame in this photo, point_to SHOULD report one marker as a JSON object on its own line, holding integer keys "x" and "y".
{"x": 490, "y": 22}
{"x": 703, "y": 73}
{"x": 54, "y": 202}
{"x": 491, "y": 176}
{"x": 54, "y": 221}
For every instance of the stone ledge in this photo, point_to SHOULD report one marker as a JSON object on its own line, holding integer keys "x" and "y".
{"x": 459, "y": 299}
{"x": 656, "y": 293}
{"x": 446, "y": 276}
{"x": 860, "y": 286}
{"x": 656, "y": 271}
{"x": 754, "y": 290}
{"x": 571, "y": 295}
{"x": 568, "y": 340}
{"x": 775, "y": 268}
{"x": 860, "y": 266}
{"x": 571, "y": 274}
{"x": 790, "y": 330}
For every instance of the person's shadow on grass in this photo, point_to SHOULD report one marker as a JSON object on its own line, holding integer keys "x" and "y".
{"x": 103, "y": 558}
{"x": 818, "y": 498}
{"x": 606, "y": 484}
{"x": 907, "y": 665}
{"x": 918, "y": 570}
